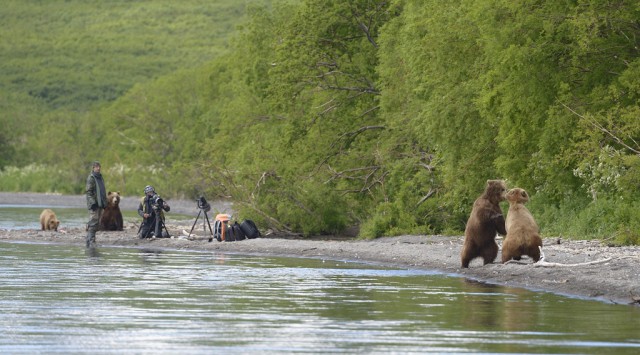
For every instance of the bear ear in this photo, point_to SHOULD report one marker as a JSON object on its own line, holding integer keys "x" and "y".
{"x": 109, "y": 193}
{"x": 523, "y": 193}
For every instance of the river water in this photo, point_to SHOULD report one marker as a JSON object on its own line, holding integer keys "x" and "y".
{"x": 64, "y": 299}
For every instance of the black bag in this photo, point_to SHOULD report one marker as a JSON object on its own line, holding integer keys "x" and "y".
{"x": 228, "y": 235}
{"x": 237, "y": 232}
{"x": 249, "y": 228}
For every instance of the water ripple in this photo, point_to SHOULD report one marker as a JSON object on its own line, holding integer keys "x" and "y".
{"x": 56, "y": 299}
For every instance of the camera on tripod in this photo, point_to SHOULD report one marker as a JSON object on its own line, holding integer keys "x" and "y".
{"x": 203, "y": 204}
{"x": 204, "y": 207}
{"x": 156, "y": 202}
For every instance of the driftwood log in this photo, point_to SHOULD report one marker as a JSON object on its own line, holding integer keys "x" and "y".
{"x": 543, "y": 263}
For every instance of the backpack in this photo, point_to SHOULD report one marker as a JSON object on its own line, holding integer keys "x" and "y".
{"x": 220, "y": 227}
{"x": 249, "y": 228}
{"x": 228, "y": 235}
{"x": 237, "y": 232}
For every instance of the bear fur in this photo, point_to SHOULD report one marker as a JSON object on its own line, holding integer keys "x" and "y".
{"x": 48, "y": 220}
{"x": 523, "y": 234}
{"x": 111, "y": 219}
{"x": 485, "y": 221}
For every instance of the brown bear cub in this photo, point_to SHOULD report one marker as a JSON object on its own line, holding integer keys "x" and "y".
{"x": 111, "y": 219}
{"x": 48, "y": 220}
{"x": 523, "y": 235}
{"x": 485, "y": 221}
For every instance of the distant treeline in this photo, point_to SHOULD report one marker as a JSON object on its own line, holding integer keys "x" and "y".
{"x": 386, "y": 115}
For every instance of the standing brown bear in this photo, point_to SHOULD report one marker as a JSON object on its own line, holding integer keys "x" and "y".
{"x": 485, "y": 221}
{"x": 48, "y": 220}
{"x": 111, "y": 219}
{"x": 523, "y": 234}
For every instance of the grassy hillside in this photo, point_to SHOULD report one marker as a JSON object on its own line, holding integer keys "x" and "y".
{"x": 76, "y": 53}
{"x": 61, "y": 61}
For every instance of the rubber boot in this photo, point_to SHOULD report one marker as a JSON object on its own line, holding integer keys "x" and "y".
{"x": 91, "y": 238}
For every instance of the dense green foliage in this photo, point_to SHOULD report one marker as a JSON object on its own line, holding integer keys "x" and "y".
{"x": 387, "y": 115}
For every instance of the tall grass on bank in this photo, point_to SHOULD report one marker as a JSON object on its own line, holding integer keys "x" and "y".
{"x": 36, "y": 178}
{"x": 613, "y": 220}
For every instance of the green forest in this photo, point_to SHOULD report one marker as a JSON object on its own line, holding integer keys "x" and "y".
{"x": 328, "y": 117}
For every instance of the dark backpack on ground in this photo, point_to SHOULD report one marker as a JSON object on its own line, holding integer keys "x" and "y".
{"x": 249, "y": 228}
{"x": 228, "y": 235}
{"x": 237, "y": 232}
{"x": 234, "y": 233}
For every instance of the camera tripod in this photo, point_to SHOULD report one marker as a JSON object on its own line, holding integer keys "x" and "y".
{"x": 158, "y": 226}
{"x": 204, "y": 207}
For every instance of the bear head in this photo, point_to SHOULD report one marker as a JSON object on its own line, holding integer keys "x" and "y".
{"x": 495, "y": 191}
{"x": 517, "y": 195}
{"x": 53, "y": 224}
{"x": 113, "y": 198}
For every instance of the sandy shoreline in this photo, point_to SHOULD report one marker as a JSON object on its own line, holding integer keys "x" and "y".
{"x": 586, "y": 269}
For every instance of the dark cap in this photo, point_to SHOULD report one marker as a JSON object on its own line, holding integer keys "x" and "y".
{"x": 95, "y": 163}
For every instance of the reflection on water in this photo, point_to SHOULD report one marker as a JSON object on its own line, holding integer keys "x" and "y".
{"x": 116, "y": 300}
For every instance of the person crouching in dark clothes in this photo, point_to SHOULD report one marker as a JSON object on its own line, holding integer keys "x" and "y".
{"x": 151, "y": 206}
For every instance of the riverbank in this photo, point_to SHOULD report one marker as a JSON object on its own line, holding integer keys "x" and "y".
{"x": 588, "y": 269}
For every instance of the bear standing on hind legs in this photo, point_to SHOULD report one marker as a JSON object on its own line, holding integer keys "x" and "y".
{"x": 485, "y": 221}
{"x": 523, "y": 234}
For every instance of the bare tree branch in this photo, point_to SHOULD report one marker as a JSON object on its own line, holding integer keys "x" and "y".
{"x": 543, "y": 263}
{"x": 604, "y": 130}
{"x": 369, "y": 178}
{"x": 429, "y": 194}
{"x": 368, "y": 90}
{"x": 262, "y": 180}
{"x": 273, "y": 222}
{"x": 369, "y": 111}
{"x": 346, "y": 139}
{"x": 364, "y": 28}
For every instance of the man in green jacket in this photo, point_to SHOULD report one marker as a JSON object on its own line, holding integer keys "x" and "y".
{"x": 96, "y": 202}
